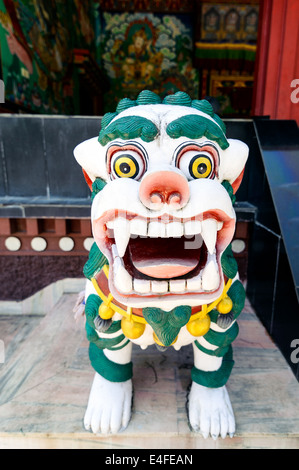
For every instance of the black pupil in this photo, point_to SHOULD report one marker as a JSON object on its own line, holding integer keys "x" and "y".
{"x": 202, "y": 168}
{"x": 124, "y": 167}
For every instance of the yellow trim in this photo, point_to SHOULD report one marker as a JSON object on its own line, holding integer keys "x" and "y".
{"x": 109, "y": 299}
{"x": 207, "y": 308}
{"x": 106, "y": 270}
{"x": 204, "y": 45}
{"x": 129, "y": 312}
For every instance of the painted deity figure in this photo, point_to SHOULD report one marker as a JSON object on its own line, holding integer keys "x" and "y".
{"x": 163, "y": 177}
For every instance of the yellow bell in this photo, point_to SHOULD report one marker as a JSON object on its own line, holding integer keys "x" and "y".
{"x": 200, "y": 326}
{"x": 105, "y": 312}
{"x": 131, "y": 329}
{"x": 225, "y": 305}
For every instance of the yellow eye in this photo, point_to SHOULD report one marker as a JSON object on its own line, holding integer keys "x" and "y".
{"x": 126, "y": 166}
{"x": 197, "y": 162}
{"x": 200, "y": 166}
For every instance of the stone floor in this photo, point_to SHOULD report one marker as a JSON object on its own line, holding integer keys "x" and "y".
{"x": 46, "y": 377}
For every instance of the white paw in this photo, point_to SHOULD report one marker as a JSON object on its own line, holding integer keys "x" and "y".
{"x": 210, "y": 411}
{"x": 109, "y": 406}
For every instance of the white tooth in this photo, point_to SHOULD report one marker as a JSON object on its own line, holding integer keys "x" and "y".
{"x": 159, "y": 287}
{"x": 177, "y": 285}
{"x": 138, "y": 227}
{"x": 219, "y": 225}
{"x": 142, "y": 286}
{"x": 121, "y": 234}
{"x": 164, "y": 233}
{"x": 174, "y": 229}
{"x": 156, "y": 229}
{"x": 192, "y": 227}
{"x": 114, "y": 251}
{"x": 210, "y": 275}
{"x": 110, "y": 224}
{"x": 122, "y": 279}
{"x": 194, "y": 284}
{"x": 209, "y": 234}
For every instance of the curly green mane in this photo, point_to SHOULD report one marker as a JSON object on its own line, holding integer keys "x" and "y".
{"x": 191, "y": 125}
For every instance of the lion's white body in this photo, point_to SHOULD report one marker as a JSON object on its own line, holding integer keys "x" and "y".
{"x": 160, "y": 200}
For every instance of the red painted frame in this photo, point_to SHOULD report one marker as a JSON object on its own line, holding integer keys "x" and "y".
{"x": 277, "y": 62}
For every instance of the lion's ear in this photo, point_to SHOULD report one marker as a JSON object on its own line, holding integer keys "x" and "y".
{"x": 238, "y": 181}
{"x": 91, "y": 157}
{"x": 232, "y": 163}
{"x": 87, "y": 179}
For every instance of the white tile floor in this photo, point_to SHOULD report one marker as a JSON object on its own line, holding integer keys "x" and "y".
{"x": 46, "y": 377}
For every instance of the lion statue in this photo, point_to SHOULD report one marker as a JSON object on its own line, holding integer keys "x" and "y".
{"x": 161, "y": 271}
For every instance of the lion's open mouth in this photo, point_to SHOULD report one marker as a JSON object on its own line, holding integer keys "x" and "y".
{"x": 163, "y": 256}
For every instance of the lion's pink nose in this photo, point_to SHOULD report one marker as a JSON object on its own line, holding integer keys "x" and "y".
{"x": 164, "y": 187}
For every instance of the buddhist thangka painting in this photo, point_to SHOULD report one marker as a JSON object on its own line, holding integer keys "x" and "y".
{"x": 145, "y": 50}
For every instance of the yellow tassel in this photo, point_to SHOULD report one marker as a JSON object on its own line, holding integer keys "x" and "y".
{"x": 131, "y": 329}
{"x": 201, "y": 325}
{"x": 105, "y": 312}
{"x": 225, "y": 305}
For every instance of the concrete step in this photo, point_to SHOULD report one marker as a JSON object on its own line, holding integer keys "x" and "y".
{"x": 46, "y": 377}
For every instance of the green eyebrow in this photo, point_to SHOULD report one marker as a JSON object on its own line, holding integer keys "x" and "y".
{"x": 129, "y": 127}
{"x": 195, "y": 127}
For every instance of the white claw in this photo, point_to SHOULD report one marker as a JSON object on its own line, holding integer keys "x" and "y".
{"x": 210, "y": 412}
{"x": 109, "y": 406}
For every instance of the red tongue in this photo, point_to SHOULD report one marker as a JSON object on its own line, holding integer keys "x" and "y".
{"x": 162, "y": 258}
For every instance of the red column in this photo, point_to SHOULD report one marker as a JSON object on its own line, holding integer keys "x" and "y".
{"x": 277, "y": 64}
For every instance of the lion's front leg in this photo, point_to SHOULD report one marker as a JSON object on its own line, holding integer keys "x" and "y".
{"x": 210, "y": 411}
{"x": 209, "y": 407}
{"x": 110, "y": 399}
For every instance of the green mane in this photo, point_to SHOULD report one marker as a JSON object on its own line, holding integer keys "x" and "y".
{"x": 192, "y": 126}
